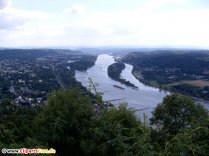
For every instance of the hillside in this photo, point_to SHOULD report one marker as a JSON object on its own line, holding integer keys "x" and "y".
{"x": 171, "y": 70}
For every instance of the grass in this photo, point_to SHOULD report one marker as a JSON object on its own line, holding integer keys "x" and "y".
{"x": 197, "y": 83}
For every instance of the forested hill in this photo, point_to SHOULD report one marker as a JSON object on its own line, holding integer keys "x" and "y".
{"x": 34, "y": 53}
{"x": 186, "y": 62}
{"x": 171, "y": 70}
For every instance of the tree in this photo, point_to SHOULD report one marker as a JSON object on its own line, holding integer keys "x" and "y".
{"x": 176, "y": 114}
{"x": 117, "y": 131}
{"x": 69, "y": 125}
{"x": 63, "y": 122}
{"x": 15, "y": 126}
{"x": 190, "y": 142}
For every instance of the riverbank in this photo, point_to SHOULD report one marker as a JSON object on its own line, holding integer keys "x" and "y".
{"x": 146, "y": 97}
{"x": 172, "y": 71}
{"x": 139, "y": 77}
{"x": 114, "y": 71}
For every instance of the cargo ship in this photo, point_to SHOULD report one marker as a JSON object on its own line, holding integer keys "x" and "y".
{"x": 135, "y": 88}
{"x": 116, "y": 86}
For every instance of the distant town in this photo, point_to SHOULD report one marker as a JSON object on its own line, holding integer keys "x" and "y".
{"x": 29, "y": 76}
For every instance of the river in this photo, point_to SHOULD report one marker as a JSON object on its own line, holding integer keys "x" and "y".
{"x": 143, "y": 100}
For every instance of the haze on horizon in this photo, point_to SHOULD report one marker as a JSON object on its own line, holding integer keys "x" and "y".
{"x": 139, "y": 23}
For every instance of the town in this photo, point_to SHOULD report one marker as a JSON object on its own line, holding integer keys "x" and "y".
{"x": 29, "y": 78}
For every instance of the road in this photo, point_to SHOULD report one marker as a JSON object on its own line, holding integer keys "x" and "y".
{"x": 58, "y": 78}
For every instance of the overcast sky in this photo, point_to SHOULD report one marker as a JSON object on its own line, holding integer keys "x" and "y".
{"x": 138, "y": 23}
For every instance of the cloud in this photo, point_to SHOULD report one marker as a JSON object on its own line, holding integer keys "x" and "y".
{"x": 154, "y": 4}
{"x": 143, "y": 26}
{"x": 25, "y": 14}
{"x": 4, "y": 3}
{"x": 173, "y": 28}
{"x": 75, "y": 9}
{"x": 10, "y": 22}
{"x": 11, "y": 18}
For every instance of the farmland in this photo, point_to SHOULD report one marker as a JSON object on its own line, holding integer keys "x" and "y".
{"x": 197, "y": 83}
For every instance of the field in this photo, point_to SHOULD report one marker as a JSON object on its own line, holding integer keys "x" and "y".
{"x": 198, "y": 83}
{"x": 206, "y": 72}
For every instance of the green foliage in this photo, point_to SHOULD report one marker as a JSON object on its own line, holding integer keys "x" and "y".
{"x": 166, "y": 69}
{"x": 191, "y": 142}
{"x": 70, "y": 124}
{"x": 114, "y": 71}
{"x": 118, "y": 132}
{"x": 190, "y": 90}
{"x": 93, "y": 88}
{"x": 64, "y": 120}
{"x": 15, "y": 125}
{"x": 84, "y": 63}
{"x": 176, "y": 114}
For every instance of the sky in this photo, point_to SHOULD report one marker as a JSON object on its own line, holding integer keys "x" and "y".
{"x": 95, "y": 23}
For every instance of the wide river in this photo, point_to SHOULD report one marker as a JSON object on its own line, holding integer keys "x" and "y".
{"x": 143, "y": 100}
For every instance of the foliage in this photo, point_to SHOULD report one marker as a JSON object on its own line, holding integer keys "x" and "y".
{"x": 63, "y": 120}
{"x": 191, "y": 90}
{"x": 84, "y": 63}
{"x": 114, "y": 71}
{"x": 166, "y": 69}
{"x": 69, "y": 123}
{"x": 118, "y": 132}
{"x": 15, "y": 125}
{"x": 190, "y": 142}
{"x": 176, "y": 114}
